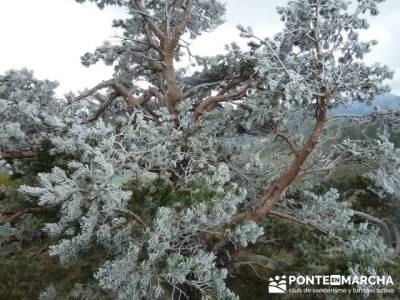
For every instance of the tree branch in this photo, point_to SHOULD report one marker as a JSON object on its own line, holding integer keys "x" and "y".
{"x": 289, "y": 140}
{"x": 386, "y": 230}
{"x": 17, "y": 214}
{"x": 396, "y": 234}
{"x": 221, "y": 97}
{"x": 182, "y": 23}
{"x": 104, "y": 105}
{"x": 130, "y": 100}
{"x": 202, "y": 85}
{"x": 156, "y": 30}
{"x": 140, "y": 12}
{"x": 268, "y": 200}
{"x": 149, "y": 43}
{"x": 132, "y": 215}
{"x": 278, "y": 214}
{"x": 6, "y": 154}
{"x": 151, "y": 92}
{"x": 91, "y": 91}
{"x": 251, "y": 265}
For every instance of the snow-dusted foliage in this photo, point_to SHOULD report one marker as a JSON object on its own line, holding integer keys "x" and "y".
{"x": 362, "y": 242}
{"x": 28, "y": 110}
{"x": 387, "y": 175}
{"x": 381, "y": 157}
{"x": 366, "y": 244}
{"x": 174, "y": 254}
{"x": 49, "y": 294}
{"x": 326, "y": 211}
{"x": 169, "y": 252}
{"x": 321, "y": 36}
{"x": 6, "y": 232}
{"x": 94, "y": 194}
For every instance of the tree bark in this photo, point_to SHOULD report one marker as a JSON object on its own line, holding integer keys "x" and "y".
{"x": 267, "y": 202}
{"x": 173, "y": 92}
{"x": 18, "y": 154}
{"x": 222, "y": 97}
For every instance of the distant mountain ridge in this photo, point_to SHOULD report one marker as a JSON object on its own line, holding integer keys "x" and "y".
{"x": 358, "y": 108}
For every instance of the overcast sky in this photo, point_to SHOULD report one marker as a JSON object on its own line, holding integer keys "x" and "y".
{"x": 49, "y": 36}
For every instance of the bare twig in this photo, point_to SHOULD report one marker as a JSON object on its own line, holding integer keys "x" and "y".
{"x": 294, "y": 219}
{"x": 14, "y": 215}
{"x": 290, "y": 141}
{"x": 132, "y": 215}
{"x": 396, "y": 237}
{"x": 40, "y": 251}
{"x": 386, "y": 230}
{"x": 104, "y": 105}
{"x": 252, "y": 265}
{"x": 6, "y": 154}
{"x": 202, "y": 85}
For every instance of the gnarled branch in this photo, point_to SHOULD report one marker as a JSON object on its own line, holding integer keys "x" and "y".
{"x": 151, "y": 92}
{"x": 104, "y": 105}
{"x": 221, "y": 97}
{"x": 91, "y": 91}
{"x": 278, "y": 214}
{"x": 194, "y": 89}
{"x": 290, "y": 141}
{"x": 385, "y": 228}
{"x": 131, "y": 214}
{"x": 182, "y": 23}
{"x": 119, "y": 88}
{"x": 156, "y": 30}
{"x": 14, "y": 215}
{"x": 7, "y": 154}
{"x": 268, "y": 200}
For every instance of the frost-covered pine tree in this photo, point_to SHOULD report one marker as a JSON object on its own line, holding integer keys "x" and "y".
{"x": 170, "y": 172}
